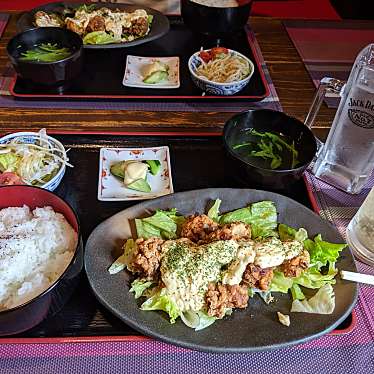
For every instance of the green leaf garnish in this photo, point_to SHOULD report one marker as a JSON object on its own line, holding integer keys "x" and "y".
{"x": 45, "y": 52}
{"x": 269, "y": 148}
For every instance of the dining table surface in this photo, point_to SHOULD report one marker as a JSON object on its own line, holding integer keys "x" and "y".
{"x": 291, "y": 80}
{"x": 349, "y": 351}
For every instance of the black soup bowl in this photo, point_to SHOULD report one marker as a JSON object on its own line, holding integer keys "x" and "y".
{"x": 48, "y": 302}
{"x": 47, "y": 73}
{"x": 214, "y": 20}
{"x": 252, "y": 169}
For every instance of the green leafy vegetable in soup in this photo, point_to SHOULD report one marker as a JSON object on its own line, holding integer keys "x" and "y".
{"x": 276, "y": 150}
{"x": 45, "y": 52}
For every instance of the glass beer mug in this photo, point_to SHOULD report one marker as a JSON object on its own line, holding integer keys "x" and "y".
{"x": 346, "y": 160}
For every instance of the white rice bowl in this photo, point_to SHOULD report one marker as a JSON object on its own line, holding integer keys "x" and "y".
{"x": 35, "y": 249}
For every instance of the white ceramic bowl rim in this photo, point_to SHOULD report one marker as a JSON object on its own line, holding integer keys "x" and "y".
{"x": 8, "y": 137}
{"x": 219, "y": 83}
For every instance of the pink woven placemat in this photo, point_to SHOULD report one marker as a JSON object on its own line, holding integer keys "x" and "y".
{"x": 329, "y": 48}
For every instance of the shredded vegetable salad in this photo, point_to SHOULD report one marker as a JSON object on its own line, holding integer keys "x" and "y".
{"x": 35, "y": 163}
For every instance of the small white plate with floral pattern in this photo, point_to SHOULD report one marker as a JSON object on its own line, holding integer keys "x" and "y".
{"x": 135, "y": 65}
{"x": 111, "y": 188}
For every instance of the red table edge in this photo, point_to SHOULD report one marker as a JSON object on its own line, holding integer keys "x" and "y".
{"x": 136, "y": 338}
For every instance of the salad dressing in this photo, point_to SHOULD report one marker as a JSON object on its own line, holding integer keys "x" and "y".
{"x": 245, "y": 255}
{"x": 187, "y": 269}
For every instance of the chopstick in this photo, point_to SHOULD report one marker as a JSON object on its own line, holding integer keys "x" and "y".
{"x": 357, "y": 277}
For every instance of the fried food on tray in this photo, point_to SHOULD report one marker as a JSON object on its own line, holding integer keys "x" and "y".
{"x": 146, "y": 260}
{"x": 221, "y": 297}
{"x": 43, "y": 19}
{"x": 198, "y": 227}
{"x": 99, "y": 26}
{"x": 202, "y": 267}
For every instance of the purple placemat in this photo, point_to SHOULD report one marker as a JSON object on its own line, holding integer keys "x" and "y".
{"x": 329, "y": 48}
{"x": 271, "y": 102}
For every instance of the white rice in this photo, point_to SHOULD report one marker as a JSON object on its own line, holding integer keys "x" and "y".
{"x": 35, "y": 249}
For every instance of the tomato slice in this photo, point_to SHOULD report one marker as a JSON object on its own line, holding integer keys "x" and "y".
{"x": 217, "y": 51}
{"x": 205, "y": 56}
{"x": 8, "y": 178}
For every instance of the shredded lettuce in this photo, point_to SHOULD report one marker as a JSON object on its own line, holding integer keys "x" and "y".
{"x": 118, "y": 265}
{"x": 301, "y": 235}
{"x": 161, "y": 301}
{"x": 163, "y": 224}
{"x": 35, "y": 162}
{"x": 288, "y": 233}
{"x": 322, "y": 252}
{"x": 264, "y": 219}
{"x": 190, "y": 318}
{"x": 204, "y": 321}
{"x": 323, "y": 302}
{"x": 172, "y": 213}
{"x": 200, "y": 320}
{"x": 146, "y": 230}
{"x": 296, "y": 292}
{"x": 162, "y": 221}
{"x": 8, "y": 161}
{"x": 310, "y": 278}
{"x": 213, "y": 212}
{"x": 99, "y": 37}
{"x": 138, "y": 286}
{"x": 86, "y": 8}
{"x": 262, "y": 216}
{"x": 313, "y": 278}
{"x": 242, "y": 215}
{"x": 123, "y": 260}
{"x": 280, "y": 283}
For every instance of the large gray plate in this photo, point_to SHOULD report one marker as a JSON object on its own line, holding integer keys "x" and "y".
{"x": 255, "y": 328}
{"x": 160, "y": 24}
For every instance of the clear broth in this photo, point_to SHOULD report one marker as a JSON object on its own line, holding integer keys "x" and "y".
{"x": 285, "y": 153}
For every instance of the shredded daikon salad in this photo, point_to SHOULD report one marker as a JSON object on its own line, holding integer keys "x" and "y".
{"x": 35, "y": 163}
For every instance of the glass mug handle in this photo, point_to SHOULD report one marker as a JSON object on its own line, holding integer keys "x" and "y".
{"x": 327, "y": 85}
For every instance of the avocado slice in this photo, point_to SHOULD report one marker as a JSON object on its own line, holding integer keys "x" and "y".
{"x": 156, "y": 77}
{"x": 154, "y": 166}
{"x": 140, "y": 185}
{"x": 118, "y": 169}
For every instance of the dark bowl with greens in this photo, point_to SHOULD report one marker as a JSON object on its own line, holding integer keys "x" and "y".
{"x": 269, "y": 148}
{"x": 46, "y": 55}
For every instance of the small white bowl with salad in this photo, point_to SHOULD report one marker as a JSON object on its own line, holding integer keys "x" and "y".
{"x": 32, "y": 158}
{"x": 220, "y": 71}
